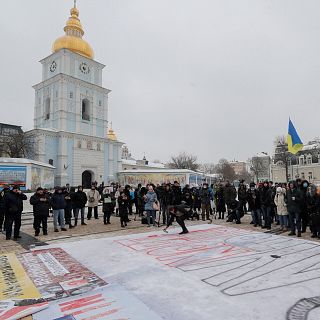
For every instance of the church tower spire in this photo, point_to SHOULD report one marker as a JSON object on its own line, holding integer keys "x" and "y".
{"x": 72, "y": 40}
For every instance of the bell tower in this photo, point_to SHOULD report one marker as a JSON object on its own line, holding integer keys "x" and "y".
{"x": 70, "y": 96}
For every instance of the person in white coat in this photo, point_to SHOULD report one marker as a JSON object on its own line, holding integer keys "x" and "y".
{"x": 93, "y": 200}
{"x": 282, "y": 210}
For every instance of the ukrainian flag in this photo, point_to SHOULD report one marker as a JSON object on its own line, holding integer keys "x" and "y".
{"x": 294, "y": 142}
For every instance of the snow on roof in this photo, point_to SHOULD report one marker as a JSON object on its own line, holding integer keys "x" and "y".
{"x": 159, "y": 171}
{"x": 24, "y": 161}
{"x": 261, "y": 155}
{"x": 311, "y": 146}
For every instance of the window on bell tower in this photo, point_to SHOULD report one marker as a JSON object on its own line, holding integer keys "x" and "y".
{"x": 85, "y": 110}
{"x": 47, "y": 109}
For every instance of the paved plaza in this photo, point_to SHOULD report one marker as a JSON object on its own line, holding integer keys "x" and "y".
{"x": 220, "y": 270}
{"x": 213, "y": 272}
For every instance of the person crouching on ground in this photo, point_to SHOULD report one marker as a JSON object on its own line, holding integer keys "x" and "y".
{"x": 236, "y": 211}
{"x": 180, "y": 212}
{"x": 123, "y": 203}
{"x": 41, "y": 205}
{"x": 107, "y": 205}
{"x": 282, "y": 210}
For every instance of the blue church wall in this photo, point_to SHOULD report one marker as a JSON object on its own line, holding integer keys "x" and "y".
{"x": 99, "y": 128}
{"x": 70, "y": 151}
{"x": 115, "y": 160}
{"x": 51, "y": 149}
{"x": 71, "y": 122}
{"x": 106, "y": 162}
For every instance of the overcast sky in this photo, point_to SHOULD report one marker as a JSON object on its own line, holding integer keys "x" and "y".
{"x": 213, "y": 78}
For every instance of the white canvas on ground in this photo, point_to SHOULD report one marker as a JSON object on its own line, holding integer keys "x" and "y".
{"x": 214, "y": 272}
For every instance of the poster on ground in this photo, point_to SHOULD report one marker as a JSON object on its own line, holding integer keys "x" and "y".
{"x": 108, "y": 303}
{"x": 14, "y": 281}
{"x": 58, "y": 275}
{"x": 15, "y": 309}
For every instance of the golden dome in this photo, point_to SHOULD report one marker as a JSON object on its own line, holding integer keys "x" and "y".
{"x": 72, "y": 40}
{"x": 111, "y": 135}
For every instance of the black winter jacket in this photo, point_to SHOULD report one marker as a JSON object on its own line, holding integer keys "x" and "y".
{"x": 13, "y": 202}
{"x": 40, "y": 208}
{"x": 58, "y": 201}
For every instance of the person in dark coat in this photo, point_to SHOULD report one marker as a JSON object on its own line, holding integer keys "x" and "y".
{"x": 229, "y": 194}
{"x": 205, "y": 197}
{"x": 220, "y": 203}
{"x": 236, "y": 212}
{"x": 69, "y": 205}
{"x": 108, "y": 205}
{"x": 13, "y": 204}
{"x": 58, "y": 204}
{"x": 267, "y": 202}
{"x": 41, "y": 203}
{"x": 181, "y": 213}
{"x": 294, "y": 202}
{"x": 242, "y": 196}
{"x": 137, "y": 201}
{"x": 303, "y": 187}
{"x": 313, "y": 208}
{"x": 2, "y": 208}
{"x": 253, "y": 197}
{"x": 79, "y": 199}
{"x": 176, "y": 193}
{"x": 166, "y": 201}
{"x": 123, "y": 209}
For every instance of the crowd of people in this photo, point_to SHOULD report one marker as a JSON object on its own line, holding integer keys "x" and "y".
{"x": 294, "y": 206}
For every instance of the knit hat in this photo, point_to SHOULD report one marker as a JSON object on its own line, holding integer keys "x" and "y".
{"x": 279, "y": 190}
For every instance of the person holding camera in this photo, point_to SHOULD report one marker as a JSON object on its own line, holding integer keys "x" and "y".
{"x": 93, "y": 201}
{"x": 123, "y": 202}
{"x": 108, "y": 204}
{"x": 13, "y": 203}
{"x": 41, "y": 205}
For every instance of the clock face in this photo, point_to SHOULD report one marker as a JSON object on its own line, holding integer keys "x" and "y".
{"x": 84, "y": 68}
{"x": 53, "y": 66}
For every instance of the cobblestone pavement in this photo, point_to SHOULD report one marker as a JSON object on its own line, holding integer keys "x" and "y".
{"x": 96, "y": 229}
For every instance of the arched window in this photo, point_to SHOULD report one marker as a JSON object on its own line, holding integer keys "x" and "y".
{"x": 47, "y": 109}
{"x": 51, "y": 162}
{"x": 85, "y": 110}
{"x": 309, "y": 159}
{"x": 98, "y": 147}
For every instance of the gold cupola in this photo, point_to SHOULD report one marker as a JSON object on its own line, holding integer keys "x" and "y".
{"x": 72, "y": 40}
{"x": 111, "y": 134}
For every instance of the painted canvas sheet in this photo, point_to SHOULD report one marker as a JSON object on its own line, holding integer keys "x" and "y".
{"x": 15, "y": 309}
{"x": 14, "y": 282}
{"x": 57, "y": 275}
{"x": 214, "y": 272}
{"x": 108, "y": 303}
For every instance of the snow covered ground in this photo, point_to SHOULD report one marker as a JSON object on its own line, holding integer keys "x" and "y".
{"x": 214, "y": 272}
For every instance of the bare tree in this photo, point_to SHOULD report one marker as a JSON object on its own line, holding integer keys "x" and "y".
{"x": 17, "y": 145}
{"x": 281, "y": 154}
{"x": 256, "y": 167}
{"x": 208, "y": 168}
{"x": 225, "y": 170}
{"x": 244, "y": 175}
{"x": 184, "y": 161}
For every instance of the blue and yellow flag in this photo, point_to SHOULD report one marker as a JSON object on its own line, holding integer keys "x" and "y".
{"x": 294, "y": 142}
